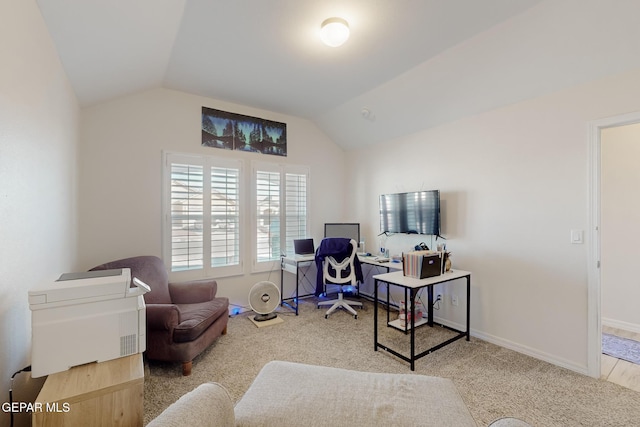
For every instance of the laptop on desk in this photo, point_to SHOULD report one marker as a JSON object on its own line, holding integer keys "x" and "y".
{"x": 304, "y": 248}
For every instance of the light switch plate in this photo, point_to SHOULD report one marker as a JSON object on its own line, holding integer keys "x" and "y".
{"x": 576, "y": 237}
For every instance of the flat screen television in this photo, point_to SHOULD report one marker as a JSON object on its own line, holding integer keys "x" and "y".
{"x": 416, "y": 213}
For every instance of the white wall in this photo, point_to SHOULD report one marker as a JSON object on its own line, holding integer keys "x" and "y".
{"x": 514, "y": 183}
{"x": 620, "y": 228}
{"x": 120, "y": 178}
{"x": 38, "y": 140}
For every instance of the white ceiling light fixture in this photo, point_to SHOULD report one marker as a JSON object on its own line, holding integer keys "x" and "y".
{"x": 334, "y": 31}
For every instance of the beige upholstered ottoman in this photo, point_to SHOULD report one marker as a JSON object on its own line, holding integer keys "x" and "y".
{"x": 286, "y": 394}
{"x": 292, "y": 394}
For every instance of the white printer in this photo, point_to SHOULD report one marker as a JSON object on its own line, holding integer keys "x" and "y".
{"x": 86, "y": 317}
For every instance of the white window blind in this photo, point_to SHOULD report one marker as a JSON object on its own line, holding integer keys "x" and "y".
{"x": 281, "y": 211}
{"x": 296, "y": 209}
{"x": 268, "y": 215}
{"x": 204, "y": 212}
{"x": 186, "y": 217}
{"x": 225, "y": 217}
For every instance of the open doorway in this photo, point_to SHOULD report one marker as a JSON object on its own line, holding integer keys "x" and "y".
{"x": 620, "y": 232}
{"x": 614, "y": 232}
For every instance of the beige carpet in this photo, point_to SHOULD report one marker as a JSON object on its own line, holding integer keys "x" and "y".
{"x": 492, "y": 380}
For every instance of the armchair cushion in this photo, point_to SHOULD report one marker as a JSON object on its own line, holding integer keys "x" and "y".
{"x": 193, "y": 291}
{"x": 196, "y": 318}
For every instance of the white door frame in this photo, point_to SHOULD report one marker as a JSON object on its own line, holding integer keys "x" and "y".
{"x": 594, "y": 315}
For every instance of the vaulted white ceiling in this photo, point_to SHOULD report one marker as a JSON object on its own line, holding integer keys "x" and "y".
{"x": 413, "y": 64}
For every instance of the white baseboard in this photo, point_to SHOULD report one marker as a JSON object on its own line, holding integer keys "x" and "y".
{"x": 537, "y": 354}
{"x": 518, "y": 347}
{"x": 449, "y": 323}
{"x": 619, "y": 324}
{"x": 546, "y": 357}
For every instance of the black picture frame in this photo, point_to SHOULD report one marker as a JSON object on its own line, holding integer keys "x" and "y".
{"x": 231, "y": 131}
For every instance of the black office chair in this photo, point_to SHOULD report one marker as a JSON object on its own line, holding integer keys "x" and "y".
{"x": 338, "y": 264}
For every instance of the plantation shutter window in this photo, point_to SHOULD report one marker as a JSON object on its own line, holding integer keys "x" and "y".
{"x": 296, "y": 209}
{"x": 203, "y": 210}
{"x": 214, "y": 209}
{"x": 186, "y": 217}
{"x": 281, "y": 212}
{"x": 268, "y": 215}
{"x": 225, "y": 217}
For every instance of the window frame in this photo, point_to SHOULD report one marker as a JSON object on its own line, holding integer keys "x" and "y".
{"x": 282, "y": 170}
{"x": 207, "y": 163}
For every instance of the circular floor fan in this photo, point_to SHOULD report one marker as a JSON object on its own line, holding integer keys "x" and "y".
{"x": 264, "y": 298}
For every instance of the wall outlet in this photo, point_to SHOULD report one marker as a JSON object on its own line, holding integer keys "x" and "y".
{"x": 454, "y": 299}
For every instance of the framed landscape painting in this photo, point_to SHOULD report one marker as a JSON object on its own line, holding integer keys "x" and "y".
{"x": 230, "y": 131}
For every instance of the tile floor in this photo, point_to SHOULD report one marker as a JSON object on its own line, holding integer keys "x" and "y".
{"x": 618, "y": 371}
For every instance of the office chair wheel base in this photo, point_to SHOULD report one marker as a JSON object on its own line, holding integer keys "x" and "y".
{"x": 326, "y": 316}
{"x": 355, "y": 317}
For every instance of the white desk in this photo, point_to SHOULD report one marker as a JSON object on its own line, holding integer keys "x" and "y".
{"x": 291, "y": 264}
{"x": 370, "y": 267}
{"x": 411, "y": 287}
{"x": 373, "y": 260}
